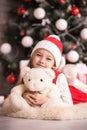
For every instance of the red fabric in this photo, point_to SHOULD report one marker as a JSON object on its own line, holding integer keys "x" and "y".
{"x": 77, "y": 95}
{"x": 56, "y": 75}
{"x": 56, "y": 42}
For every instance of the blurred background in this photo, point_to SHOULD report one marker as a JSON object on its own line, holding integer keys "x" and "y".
{"x": 24, "y": 22}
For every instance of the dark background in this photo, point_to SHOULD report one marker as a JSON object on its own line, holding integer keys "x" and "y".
{"x": 5, "y": 7}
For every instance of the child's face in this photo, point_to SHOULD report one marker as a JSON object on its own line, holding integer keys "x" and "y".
{"x": 42, "y": 58}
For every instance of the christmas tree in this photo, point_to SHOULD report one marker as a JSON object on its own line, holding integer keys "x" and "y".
{"x": 33, "y": 20}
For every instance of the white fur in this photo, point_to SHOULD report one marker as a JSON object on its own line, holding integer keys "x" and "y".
{"x": 16, "y": 106}
{"x": 34, "y": 80}
{"x": 70, "y": 72}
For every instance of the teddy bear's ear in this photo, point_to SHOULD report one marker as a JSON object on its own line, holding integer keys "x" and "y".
{"x": 24, "y": 71}
{"x": 50, "y": 72}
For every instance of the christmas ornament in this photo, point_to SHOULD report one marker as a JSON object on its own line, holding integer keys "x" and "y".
{"x": 27, "y": 41}
{"x": 11, "y": 78}
{"x": 72, "y": 56}
{"x": 83, "y": 33}
{"x": 5, "y": 48}
{"x": 22, "y": 33}
{"x": 27, "y": 0}
{"x": 61, "y": 24}
{"x": 74, "y": 46}
{"x": 75, "y": 10}
{"x": 21, "y": 10}
{"x": 39, "y": 13}
{"x": 61, "y": 1}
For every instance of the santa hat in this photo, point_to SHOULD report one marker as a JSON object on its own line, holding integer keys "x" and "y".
{"x": 53, "y": 44}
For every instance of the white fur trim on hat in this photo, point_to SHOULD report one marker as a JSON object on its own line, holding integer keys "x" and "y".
{"x": 53, "y": 44}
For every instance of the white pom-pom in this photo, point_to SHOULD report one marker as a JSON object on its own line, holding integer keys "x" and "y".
{"x": 39, "y": 13}
{"x": 72, "y": 56}
{"x": 5, "y": 48}
{"x": 61, "y": 24}
{"x": 27, "y": 41}
{"x": 83, "y": 34}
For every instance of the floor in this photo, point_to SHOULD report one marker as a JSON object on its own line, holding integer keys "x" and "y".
{"x": 8, "y": 123}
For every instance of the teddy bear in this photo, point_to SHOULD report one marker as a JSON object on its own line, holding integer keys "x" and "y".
{"x": 15, "y": 106}
{"x": 34, "y": 79}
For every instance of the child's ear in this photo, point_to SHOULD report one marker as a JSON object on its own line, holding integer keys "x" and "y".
{"x": 54, "y": 68}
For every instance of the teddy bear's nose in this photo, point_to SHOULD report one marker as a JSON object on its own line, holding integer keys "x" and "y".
{"x": 41, "y": 80}
{"x": 29, "y": 79}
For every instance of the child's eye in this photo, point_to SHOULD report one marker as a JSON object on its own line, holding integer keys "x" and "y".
{"x": 41, "y": 80}
{"x": 48, "y": 58}
{"x": 38, "y": 54}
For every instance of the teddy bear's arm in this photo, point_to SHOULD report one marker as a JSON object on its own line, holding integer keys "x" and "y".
{"x": 54, "y": 97}
{"x": 19, "y": 89}
{"x": 15, "y": 98}
{"x": 51, "y": 91}
{"x": 14, "y": 101}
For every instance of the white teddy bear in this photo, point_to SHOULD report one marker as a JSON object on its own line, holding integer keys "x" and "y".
{"x": 15, "y": 106}
{"x": 35, "y": 79}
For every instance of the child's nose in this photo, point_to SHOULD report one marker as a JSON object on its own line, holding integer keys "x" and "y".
{"x": 42, "y": 60}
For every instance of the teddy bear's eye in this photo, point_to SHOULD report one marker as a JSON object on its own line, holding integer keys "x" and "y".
{"x": 41, "y": 80}
{"x": 29, "y": 79}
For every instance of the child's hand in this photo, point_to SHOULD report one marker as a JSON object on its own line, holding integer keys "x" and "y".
{"x": 35, "y": 98}
{"x": 40, "y": 98}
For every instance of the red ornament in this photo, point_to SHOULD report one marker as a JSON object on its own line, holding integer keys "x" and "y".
{"x": 21, "y": 10}
{"x": 27, "y": 0}
{"x": 11, "y": 78}
{"x": 74, "y": 46}
{"x": 22, "y": 33}
{"x": 61, "y": 1}
{"x": 75, "y": 11}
